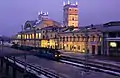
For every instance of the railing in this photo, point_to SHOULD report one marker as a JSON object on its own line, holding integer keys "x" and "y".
{"x": 38, "y": 71}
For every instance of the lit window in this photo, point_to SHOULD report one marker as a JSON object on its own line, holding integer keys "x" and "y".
{"x": 32, "y": 35}
{"x": 19, "y": 36}
{"x": 37, "y": 35}
{"x": 27, "y": 36}
{"x": 113, "y": 44}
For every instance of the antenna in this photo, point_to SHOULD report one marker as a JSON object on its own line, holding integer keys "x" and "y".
{"x": 76, "y": 3}
{"x": 38, "y": 13}
{"x": 63, "y": 3}
{"x": 41, "y": 12}
{"x": 47, "y": 13}
{"x": 68, "y": 2}
{"x": 44, "y": 13}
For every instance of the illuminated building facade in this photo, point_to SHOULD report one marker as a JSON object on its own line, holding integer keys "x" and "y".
{"x": 99, "y": 39}
{"x": 70, "y": 14}
{"x": 96, "y": 39}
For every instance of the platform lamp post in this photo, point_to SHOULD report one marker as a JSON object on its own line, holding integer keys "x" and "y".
{"x": 86, "y": 49}
{"x": 22, "y": 28}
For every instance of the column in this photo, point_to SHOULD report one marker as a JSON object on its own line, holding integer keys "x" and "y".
{"x": 1, "y": 64}
{"x": 7, "y": 69}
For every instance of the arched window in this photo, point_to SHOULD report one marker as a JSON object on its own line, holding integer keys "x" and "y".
{"x": 93, "y": 38}
{"x": 43, "y": 36}
{"x": 63, "y": 38}
{"x": 70, "y": 38}
{"x": 66, "y": 38}
{"x": 74, "y": 38}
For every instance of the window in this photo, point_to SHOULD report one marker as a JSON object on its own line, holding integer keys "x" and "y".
{"x": 78, "y": 47}
{"x": 74, "y": 38}
{"x": 60, "y": 39}
{"x": 55, "y": 36}
{"x": 78, "y": 38}
{"x": 93, "y": 38}
{"x": 73, "y": 19}
{"x": 63, "y": 38}
{"x": 70, "y": 38}
{"x": 66, "y": 38}
{"x": 43, "y": 36}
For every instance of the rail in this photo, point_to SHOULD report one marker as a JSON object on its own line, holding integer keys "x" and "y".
{"x": 35, "y": 69}
{"x": 98, "y": 66}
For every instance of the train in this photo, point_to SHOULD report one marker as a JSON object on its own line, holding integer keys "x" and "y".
{"x": 40, "y": 51}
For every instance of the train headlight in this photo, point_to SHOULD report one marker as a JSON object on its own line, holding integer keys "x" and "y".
{"x": 55, "y": 55}
{"x": 113, "y": 44}
{"x": 59, "y": 55}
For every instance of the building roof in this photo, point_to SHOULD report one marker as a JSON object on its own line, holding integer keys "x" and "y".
{"x": 70, "y": 5}
{"x": 111, "y": 29}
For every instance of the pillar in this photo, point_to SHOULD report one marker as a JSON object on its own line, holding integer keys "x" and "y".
{"x": 14, "y": 72}
{"x": 1, "y": 65}
{"x": 7, "y": 69}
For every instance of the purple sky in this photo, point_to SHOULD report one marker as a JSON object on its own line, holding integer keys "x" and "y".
{"x": 13, "y": 13}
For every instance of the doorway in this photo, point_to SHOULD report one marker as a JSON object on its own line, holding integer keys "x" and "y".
{"x": 93, "y": 49}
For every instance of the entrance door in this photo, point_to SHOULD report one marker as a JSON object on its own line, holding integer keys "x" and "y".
{"x": 99, "y": 50}
{"x": 93, "y": 49}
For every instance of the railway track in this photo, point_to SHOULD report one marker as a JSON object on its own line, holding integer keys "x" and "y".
{"x": 92, "y": 65}
{"x": 38, "y": 71}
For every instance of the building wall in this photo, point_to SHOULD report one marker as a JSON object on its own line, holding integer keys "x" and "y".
{"x": 66, "y": 41}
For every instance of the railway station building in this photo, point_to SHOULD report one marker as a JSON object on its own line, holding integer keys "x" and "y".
{"x": 102, "y": 39}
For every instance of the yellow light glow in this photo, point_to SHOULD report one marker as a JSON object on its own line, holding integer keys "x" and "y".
{"x": 83, "y": 50}
{"x": 55, "y": 55}
{"x": 113, "y": 44}
{"x": 19, "y": 36}
{"x": 59, "y": 55}
{"x": 37, "y": 35}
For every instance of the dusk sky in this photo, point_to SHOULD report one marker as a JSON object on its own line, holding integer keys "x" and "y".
{"x": 13, "y": 13}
